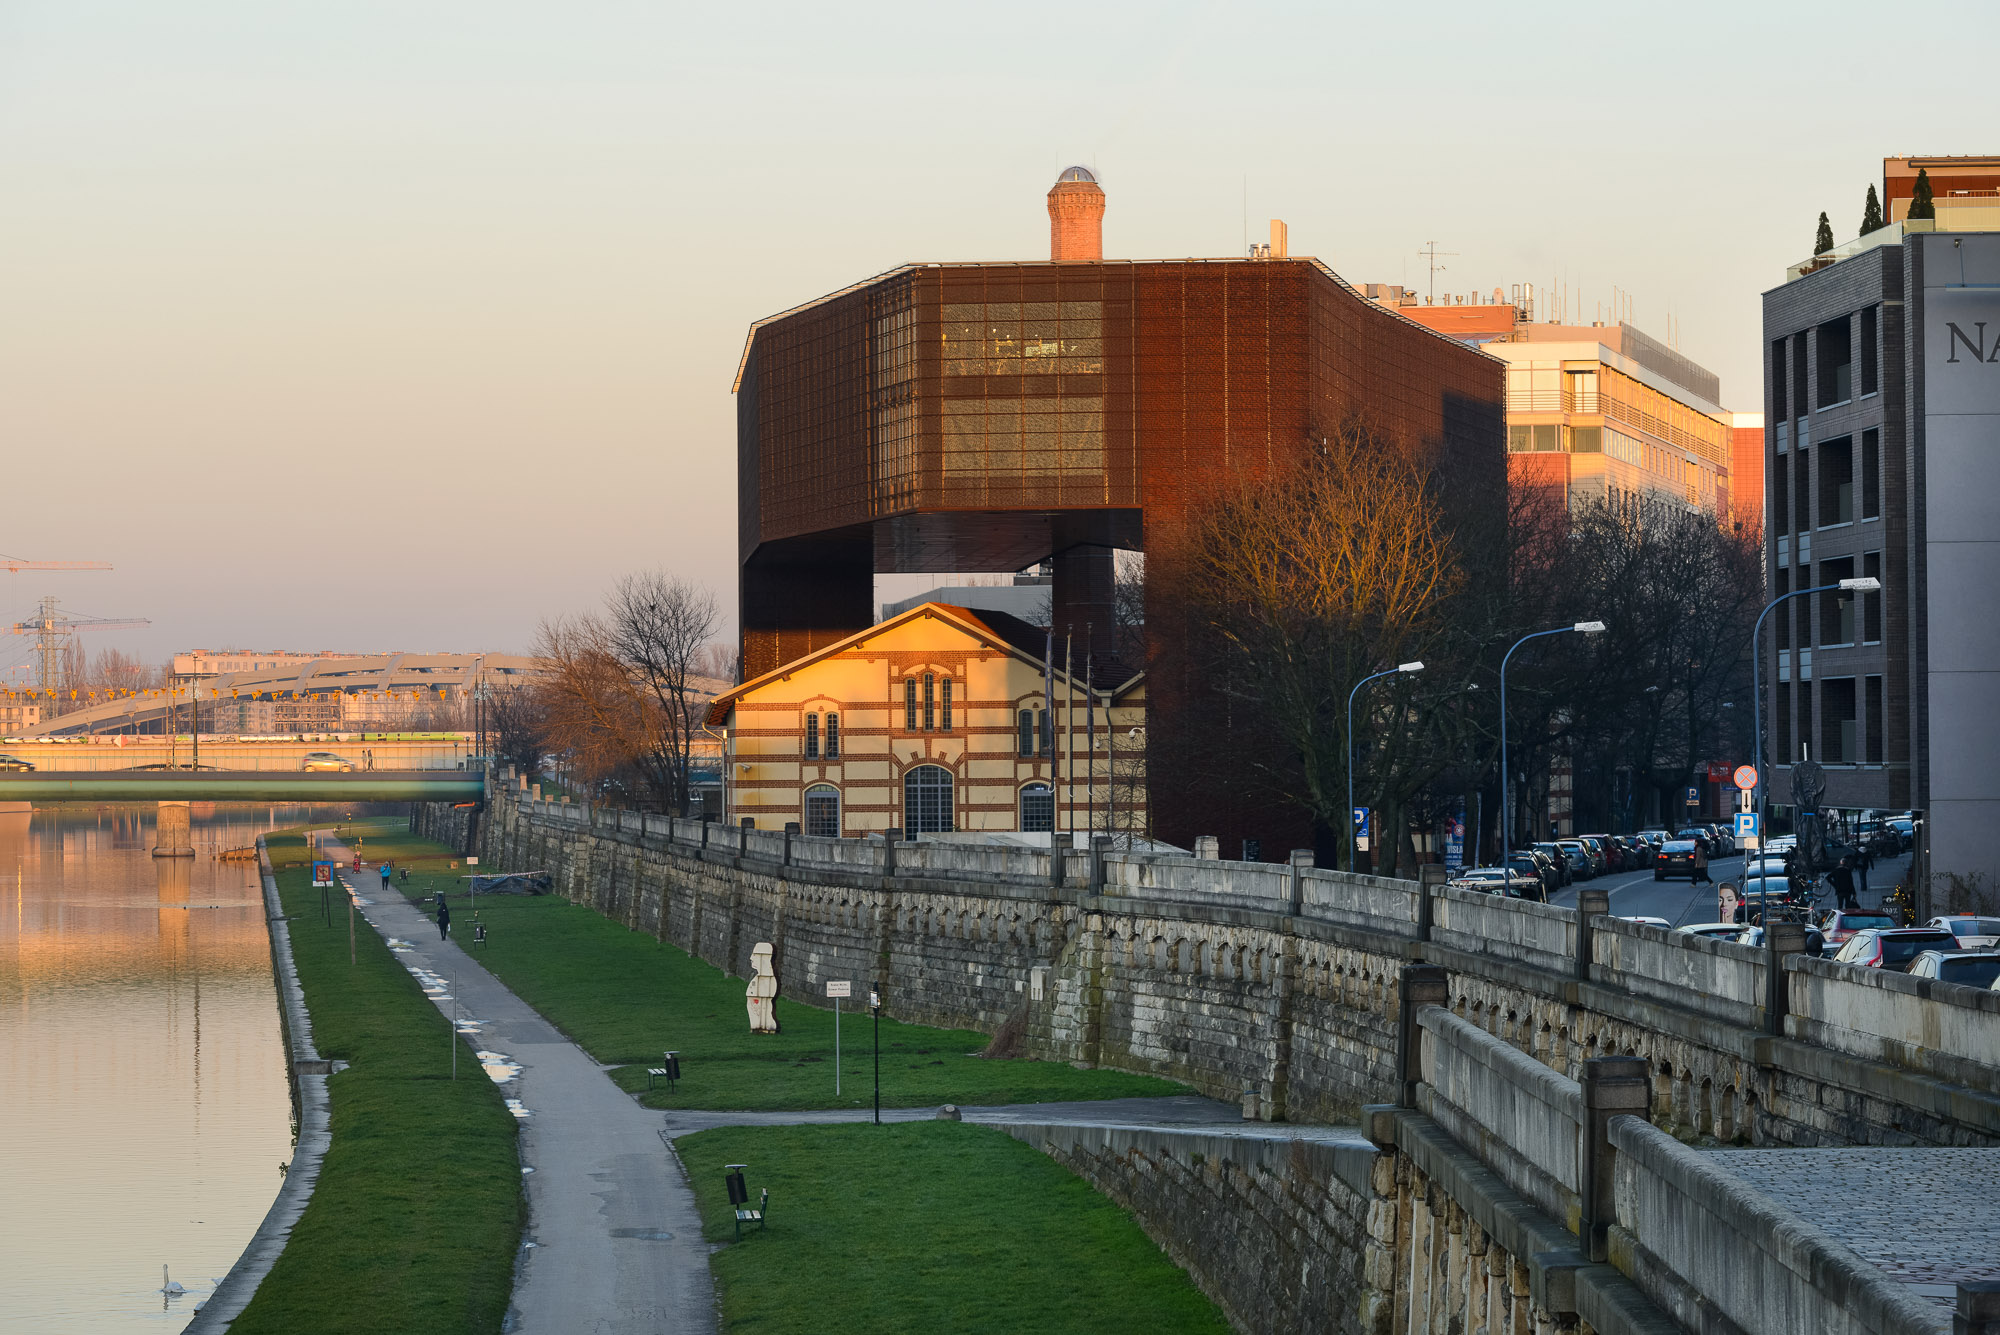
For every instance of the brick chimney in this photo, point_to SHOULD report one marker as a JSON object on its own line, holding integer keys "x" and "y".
{"x": 1076, "y": 216}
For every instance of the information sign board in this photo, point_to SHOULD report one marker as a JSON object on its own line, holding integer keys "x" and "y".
{"x": 840, "y": 989}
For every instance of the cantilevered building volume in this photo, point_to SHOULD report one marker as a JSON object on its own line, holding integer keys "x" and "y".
{"x": 989, "y": 416}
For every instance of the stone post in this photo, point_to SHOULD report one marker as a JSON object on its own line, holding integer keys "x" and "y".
{"x": 1301, "y": 859}
{"x": 1978, "y": 1311}
{"x": 1780, "y": 939}
{"x": 1100, "y": 845}
{"x": 1590, "y": 904}
{"x": 1059, "y": 846}
{"x": 173, "y": 832}
{"x": 1430, "y": 880}
{"x": 890, "y": 838}
{"x": 1612, "y": 1087}
{"x": 1419, "y": 985}
{"x": 1207, "y": 847}
{"x": 791, "y": 829}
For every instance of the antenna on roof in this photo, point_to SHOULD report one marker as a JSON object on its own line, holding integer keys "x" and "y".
{"x": 1430, "y": 252}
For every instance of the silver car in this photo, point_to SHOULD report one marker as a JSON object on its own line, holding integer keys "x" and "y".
{"x": 1967, "y": 968}
{"x": 1974, "y": 932}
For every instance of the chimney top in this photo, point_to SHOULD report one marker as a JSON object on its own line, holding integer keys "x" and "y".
{"x": 1076, "y": 216}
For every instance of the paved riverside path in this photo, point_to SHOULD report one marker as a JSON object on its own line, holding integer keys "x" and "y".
{"x": 613, "y": 1240}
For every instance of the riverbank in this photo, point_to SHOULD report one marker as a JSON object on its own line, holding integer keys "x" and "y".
{"x": 417, "y": 1214}
{"x": 626, "y": 997}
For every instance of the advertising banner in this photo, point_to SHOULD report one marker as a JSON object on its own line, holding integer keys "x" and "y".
{"x": 1454, "y": 840}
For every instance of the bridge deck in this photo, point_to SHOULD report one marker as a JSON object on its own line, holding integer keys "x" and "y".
{"x": 46, "y": 786}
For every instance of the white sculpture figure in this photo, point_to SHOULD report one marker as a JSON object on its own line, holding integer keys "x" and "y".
{"x": 763, "y": 991}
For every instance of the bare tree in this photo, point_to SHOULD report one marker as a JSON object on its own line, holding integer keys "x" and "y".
{"x": 597, "y": 721}
{"x": 721, "y": 661}
{"x": 660, "y": 628}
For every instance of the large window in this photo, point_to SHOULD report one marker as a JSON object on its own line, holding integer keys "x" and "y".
{"x": 823, "y": 811}
{"x": 1873, "y": 708}
{"x": 1778, "y": 413}
{"x": 944, "y": 704}
{"x": 1871, "y": 474}
{"x": 927, "y": 807}
{"x": 1836, "y": 362}
{"x": 1017, "y": 338}
{"x": 1038, "y": 809}
{"x": 909, "y": 704}
{"x": 1836, "y": 482}
{"x": 1801, "y": 401}
{"x": 812, "y": 737}
{"x": 833, "y": 736}
{"x": 1781, "y": 494}
{"x": 930, "y": 702}
{"x": 1839, "y": 745}
{"x": 1871, "y": 603}
{"x": 1025, "y": 742}
{"x": 1871, "y": 372}
{"x": 1784, "y": 618}
{"x": 1801, "y": 491}
{"x": 1836, "y": 613}
{"x": 1784, "y": 723}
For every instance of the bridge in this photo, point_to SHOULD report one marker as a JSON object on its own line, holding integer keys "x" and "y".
{"x": 43, "y": 787}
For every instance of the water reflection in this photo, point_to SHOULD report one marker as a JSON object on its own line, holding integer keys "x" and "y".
{"x": 142, "y": 1073}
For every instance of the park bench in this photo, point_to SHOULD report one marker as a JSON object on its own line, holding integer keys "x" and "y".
{"x": 668, "y": 1070}
{"x": 756, "y": 1216}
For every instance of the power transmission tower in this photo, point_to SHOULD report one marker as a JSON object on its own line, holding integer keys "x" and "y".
{"x": 52, "y": 630}
{"x": 1431, "y": 252}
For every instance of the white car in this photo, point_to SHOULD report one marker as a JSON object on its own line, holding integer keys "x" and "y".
{"x": 1655, "y": 922}
{"x": 1974, "y": 932}
{"x": 1497, "y": 881}
{"x": 1968, "y": 969}
{"x": 1714, "y": 931}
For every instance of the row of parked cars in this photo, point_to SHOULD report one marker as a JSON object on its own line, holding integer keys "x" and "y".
{"x": 1540, "y": 870}
{"x": 1961, "y": 948}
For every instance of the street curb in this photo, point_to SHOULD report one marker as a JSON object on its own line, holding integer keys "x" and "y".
{"x": 308, "y": 1072}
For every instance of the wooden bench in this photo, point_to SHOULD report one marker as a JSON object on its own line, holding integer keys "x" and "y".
{"x": 756, "y": 1216}
{"x": 670, "y": 1071}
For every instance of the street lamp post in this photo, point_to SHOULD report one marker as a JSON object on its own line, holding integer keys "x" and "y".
{"x": 1506, "y": 793}
{"x": 1353, "y": 842}
{"x": 1864, "y": 584}
{"x": 875, "y": 1004}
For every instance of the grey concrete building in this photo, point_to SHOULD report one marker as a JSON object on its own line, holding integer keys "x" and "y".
{"x": 1882, "y": 395}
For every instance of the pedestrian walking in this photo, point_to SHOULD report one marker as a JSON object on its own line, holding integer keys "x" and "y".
{"x": 1701, "y": 862}
{"x": 1861, "y": 874}
{"x": 1841, "y": 878}
{"x": 444, "y": 921}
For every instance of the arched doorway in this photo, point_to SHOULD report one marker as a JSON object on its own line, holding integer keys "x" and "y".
{"x": 822, "y": 811}
{"x": 927, "y": 800}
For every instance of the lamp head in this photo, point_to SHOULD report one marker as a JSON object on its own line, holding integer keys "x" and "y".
{"x": 1588, "y": 628}
{"x": 1409, "y": 667}
{"x": 1865, "y": 584}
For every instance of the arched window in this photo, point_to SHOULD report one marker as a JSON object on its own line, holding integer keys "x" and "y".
{"x": 822, "y": 813}
{"x": 812, "y": 737}
{"x": 1038, "y": 809}
{"x": 927, "y": 800}
{"x": 1026, "y": 743}
{"x": 833, "y": 736}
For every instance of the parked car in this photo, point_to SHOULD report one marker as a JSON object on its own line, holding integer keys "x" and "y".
{"x": 1583, "y": 859}
{"x": 1612, "y": 848}
{"x": 1969, "y": 968}
{"x": 15, "y": 765}
{"x": 1655, "y": 837}
{"x": 1660, "y": 923}
{"x": 164, "y": 765}
{"x": 1559, "y": 859}
{"x": 1841, "y": 924}
{"x": 1498, "y": 881}
{"x": 1676, "y": 859}
{"x": 1781, "y": 843}
{"x": 1906, "y": 830}
{"x": 1714, "y": 931}
{"x": 1973, "y": 932}
{"x": 1548, "y": 879}
{"x": 1893, "y": 947}
{"x": 1638, "y": 852}
{"x": 326, "y": 760}
{"x": 1815, "y": 939}
{"x": 1755, "y": 889}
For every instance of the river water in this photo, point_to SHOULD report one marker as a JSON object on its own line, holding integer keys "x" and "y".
{"x": 144, "y": 1109}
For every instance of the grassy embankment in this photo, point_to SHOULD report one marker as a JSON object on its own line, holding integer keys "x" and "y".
{"x": 626, "y": 997}
{"x": 417, "y": 1213}
{"x": 929, "y": 1226}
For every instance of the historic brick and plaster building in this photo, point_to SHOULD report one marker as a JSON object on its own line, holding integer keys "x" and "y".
{"x": 939, "y": 720}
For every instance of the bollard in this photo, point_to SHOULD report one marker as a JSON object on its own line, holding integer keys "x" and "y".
{"x": 1207, "y": 847}
{"x": 1612, "y": 1087}
{"x": 1300, "y": 859}
{"x": 1059, "y": 845}
{"x": 1419, "y": 985}
{"x": 1430, "y": 879}
{"x": 1978, "y": 1310}
{"x": 791, "y": 829}
{"x": 1589, "y": 904}
{"x": 1780, "y": 939}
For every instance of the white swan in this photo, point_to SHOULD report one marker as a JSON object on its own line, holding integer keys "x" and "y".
{"x": 168, "y": 1286}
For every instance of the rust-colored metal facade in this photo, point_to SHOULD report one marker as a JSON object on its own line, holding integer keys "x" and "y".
{"x": 988, "y": 416}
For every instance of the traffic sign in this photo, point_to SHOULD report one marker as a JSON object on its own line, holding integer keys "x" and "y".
{"x": 1746, "y": 777}
{"x": 841, "y": 989}
{"x": 322, "y": 875}
{"x": 1746, "y": 825}
{"x": 1694, "y": 796}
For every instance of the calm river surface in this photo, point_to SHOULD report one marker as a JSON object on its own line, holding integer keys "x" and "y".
{"x": 144, "y": 1110}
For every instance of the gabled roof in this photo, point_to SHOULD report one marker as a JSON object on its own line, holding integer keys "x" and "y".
{"x": 998, "y": 629}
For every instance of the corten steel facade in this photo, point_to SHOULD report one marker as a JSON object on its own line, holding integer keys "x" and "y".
{"x": 947, "y": 417}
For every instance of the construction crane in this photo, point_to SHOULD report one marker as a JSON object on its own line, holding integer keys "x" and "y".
{"x": 52, "y": 630}
{"x": 15, "y": 565}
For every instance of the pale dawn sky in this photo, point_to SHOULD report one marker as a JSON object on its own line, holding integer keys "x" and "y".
{"x": 403, "y": 325}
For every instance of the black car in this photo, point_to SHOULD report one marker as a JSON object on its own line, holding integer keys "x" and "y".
{"x": 1546, "y": 877}
{"x": 15, "y": 765}
{"x": 1676, "y": 858}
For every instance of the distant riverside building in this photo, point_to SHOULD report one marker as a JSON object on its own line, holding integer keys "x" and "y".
{"x": 196, "y": 664}
{"x": 1882, "y": 398}
{"x": 1965, "y": 191}
{"x": 947, "y": 417}
{"x": 936, "y": 722}
{"x": 1601, "y": 410}
{"x": 1746, "y": 471}
{"x": 16, "y": 715}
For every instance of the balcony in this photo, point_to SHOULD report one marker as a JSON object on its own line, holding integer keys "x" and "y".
{"x": 1892, "y": 235}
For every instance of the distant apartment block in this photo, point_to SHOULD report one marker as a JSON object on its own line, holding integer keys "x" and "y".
{"x": 1603, "y": 411}
{"x": 1882, "y": 398}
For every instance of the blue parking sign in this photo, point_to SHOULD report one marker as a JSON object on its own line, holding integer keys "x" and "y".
{"x": 1361, "y": 822}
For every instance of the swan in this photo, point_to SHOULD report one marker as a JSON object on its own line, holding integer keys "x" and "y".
{"x": 170, "y": 1287}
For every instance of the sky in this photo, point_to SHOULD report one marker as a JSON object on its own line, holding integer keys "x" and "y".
{"x": 405, "y": 325}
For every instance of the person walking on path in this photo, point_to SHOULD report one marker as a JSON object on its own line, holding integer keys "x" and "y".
{"x": 1841, "y": 878}
{"x": 1701, "y": 862}
{"x": 444, "y": 919}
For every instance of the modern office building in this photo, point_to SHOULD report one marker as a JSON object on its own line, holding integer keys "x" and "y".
{"x": 1602, "y": 411}
{"x": 990, "y": 416}
{"x": 1882, "y": 401}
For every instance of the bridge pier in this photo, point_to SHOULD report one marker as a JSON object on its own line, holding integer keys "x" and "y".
{"x": 174, "y": 832}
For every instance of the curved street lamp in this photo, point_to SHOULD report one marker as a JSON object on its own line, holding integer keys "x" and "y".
{"x": 1353, "y": 842}
{"x": 1864, "y": 584}
{"x": 1507, "y": 793}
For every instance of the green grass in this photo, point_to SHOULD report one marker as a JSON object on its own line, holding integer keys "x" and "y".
{"x": 928, "y": 1226}
{"x": 417, "y": 1213}
{"x": 626, "y": 997}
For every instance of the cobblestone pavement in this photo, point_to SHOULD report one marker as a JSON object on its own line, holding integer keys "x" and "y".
{"x": 1928, "y": 1217}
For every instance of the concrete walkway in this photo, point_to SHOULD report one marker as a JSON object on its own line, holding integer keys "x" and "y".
{"x": 613, "y": 1242}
